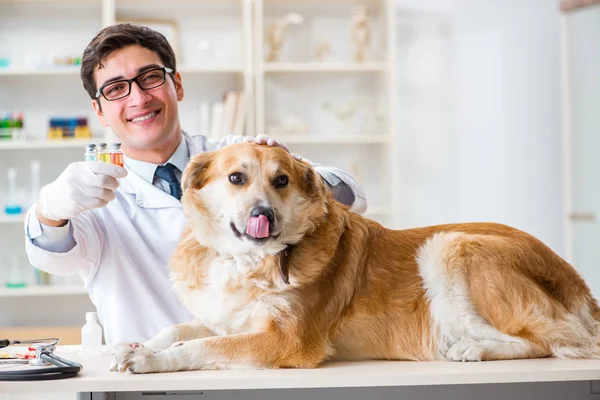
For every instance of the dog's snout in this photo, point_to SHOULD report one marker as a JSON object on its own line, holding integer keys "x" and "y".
{"x": 266, "y": 211}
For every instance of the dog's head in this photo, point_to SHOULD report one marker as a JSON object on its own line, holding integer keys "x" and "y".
{"x": 251, "y": 199}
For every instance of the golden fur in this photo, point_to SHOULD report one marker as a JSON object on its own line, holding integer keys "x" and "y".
{"x": 357, "y": 290}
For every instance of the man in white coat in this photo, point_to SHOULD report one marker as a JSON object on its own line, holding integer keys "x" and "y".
{"x": 117, "y": 227}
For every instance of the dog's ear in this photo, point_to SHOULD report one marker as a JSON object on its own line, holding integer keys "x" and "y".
{"x": 196, "y": 172}
{"x": 312, "y": 183}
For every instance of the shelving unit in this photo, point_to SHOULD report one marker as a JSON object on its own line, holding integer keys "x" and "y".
{"x": 327, "y": 99}
{"x": 32, "y": 32}
{"x": 220, "y": 46}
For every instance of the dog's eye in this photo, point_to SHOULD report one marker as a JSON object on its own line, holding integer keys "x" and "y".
{"x": 237, "y": 178}
{"x": 281, "y": 181}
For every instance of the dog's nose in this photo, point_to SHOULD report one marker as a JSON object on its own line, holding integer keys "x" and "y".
{"x": 266, "y": 211}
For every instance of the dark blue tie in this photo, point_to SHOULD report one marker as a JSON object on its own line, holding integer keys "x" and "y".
{"x": 167, "y": 172}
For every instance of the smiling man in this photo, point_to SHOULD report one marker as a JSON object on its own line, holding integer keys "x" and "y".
{"x": 117, "y": 227}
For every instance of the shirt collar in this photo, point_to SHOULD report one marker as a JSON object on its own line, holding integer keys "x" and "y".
{"x": 146, "y": 169}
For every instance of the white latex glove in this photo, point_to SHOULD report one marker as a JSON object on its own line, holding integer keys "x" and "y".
{"x": 264, "y": 139}
{"x": 81, "y": 187}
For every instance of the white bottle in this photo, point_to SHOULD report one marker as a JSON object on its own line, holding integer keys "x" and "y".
{"x": 91, "y": 335}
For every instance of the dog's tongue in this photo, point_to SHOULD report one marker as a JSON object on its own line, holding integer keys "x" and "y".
{"x": 258, "y": 227}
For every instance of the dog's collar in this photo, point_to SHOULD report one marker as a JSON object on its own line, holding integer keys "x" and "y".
{"x": 284, "y": 263}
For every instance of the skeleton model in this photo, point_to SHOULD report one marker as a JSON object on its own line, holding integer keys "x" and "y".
{"x": 276, "y": 33}
{"x": 322, "y": 48}
{"x": 361, "y": 33}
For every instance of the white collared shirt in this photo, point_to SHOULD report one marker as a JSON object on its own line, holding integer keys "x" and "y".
{"x": 146, "y": 169}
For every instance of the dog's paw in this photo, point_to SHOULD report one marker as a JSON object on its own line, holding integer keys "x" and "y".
{"x": 142, "y": 362}
{"x": 464, "y": 350}
{"x": 124, "y": 352}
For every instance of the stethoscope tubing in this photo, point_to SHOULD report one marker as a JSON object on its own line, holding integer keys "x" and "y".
{"x": 62, "y": 369}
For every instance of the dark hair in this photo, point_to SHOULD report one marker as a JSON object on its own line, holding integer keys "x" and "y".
{"x": 116, "y": 37}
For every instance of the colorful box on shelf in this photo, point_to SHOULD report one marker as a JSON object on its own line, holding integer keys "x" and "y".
{"x": 62, "y": 128}
{"x": 11, "y": 125}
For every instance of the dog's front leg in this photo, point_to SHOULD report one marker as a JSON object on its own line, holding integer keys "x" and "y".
{"x": 169, "y": 336}
{"x": 178, "y": 333}
{"x": 249, "y": 350}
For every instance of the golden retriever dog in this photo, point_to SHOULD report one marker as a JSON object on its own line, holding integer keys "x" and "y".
{"x": 278, "y": 274}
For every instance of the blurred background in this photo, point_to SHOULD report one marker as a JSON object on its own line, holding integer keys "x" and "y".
{"x": 444, "y": 110}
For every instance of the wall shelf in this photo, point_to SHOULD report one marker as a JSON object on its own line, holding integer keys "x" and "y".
{"x": 12, "y": 219}
{"x": 47, "y": 144}
{"x": 325, "y": 67}
{"x": 43, "y": 291}
{"x": 216, "y": 69}
{"x": 74, "y": 70}
{"x": 332, "y": 139}
{"x": 225, "y": 69}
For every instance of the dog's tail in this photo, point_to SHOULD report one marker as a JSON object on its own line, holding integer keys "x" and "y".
{"x": 577, "y": 334}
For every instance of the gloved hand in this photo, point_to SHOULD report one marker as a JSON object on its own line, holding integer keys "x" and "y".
{"x": 81, "y": 187}
{"x": 264, "y": 139}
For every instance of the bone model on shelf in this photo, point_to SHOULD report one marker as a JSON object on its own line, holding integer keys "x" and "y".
{"x": 277, "y": 32}
{"x": 361, "y": 33}
{"x": 322, "y": 48}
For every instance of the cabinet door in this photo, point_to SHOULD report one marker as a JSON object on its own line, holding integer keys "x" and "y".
{"x": 583, "y": 39}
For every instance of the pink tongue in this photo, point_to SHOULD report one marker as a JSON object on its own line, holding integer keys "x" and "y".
{"x": 258, "y": 227}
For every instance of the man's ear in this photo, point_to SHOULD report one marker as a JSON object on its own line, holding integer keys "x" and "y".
{"x": 98, "y": 111}
{"x": 196, "y": 173}
{"x": 178, "y": 86}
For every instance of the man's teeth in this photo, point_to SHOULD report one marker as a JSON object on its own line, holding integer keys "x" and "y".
{"x": 144, "y": 117}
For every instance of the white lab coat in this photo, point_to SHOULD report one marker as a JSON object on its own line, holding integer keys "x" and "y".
{"x": 122, "y": 253}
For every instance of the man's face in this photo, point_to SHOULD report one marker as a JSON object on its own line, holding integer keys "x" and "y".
{"x": 146, "y": 119}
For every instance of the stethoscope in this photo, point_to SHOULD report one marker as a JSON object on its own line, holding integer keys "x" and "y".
{"x": 44, "y": 356}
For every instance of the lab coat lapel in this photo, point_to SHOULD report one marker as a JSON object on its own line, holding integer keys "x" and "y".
{"x": 146, "y": 194}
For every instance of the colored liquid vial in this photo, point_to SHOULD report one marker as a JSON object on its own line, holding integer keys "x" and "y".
{"x": 116, "y": 155}
{"x": 12, "y": 206}
{"x": 90, "y": 153}
{"x": 102, "y": 153}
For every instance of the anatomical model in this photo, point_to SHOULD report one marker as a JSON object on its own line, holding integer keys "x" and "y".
{"x": 277, "y": 32}
{"x": 361, "y": 33}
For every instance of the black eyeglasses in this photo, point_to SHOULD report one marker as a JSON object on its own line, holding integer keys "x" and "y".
{"x": 146, "y": 80}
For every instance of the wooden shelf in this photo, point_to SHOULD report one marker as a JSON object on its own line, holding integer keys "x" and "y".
{"x": 325, "y": 67}
{"x": 43, "y": 291}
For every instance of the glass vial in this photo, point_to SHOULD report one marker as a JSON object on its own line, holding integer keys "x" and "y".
{"x": 116, "y": 155}
{"x": 102, "y": 153}
{"x": 91, "y": 335}
{"x": 12, "y": 206}
{"x": 16, "y": 278}
{"x": 90, "y": 152}
{"x": 35, "y": 167}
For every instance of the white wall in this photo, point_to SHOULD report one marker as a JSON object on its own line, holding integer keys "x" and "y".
{"x": 479, "y": 94}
